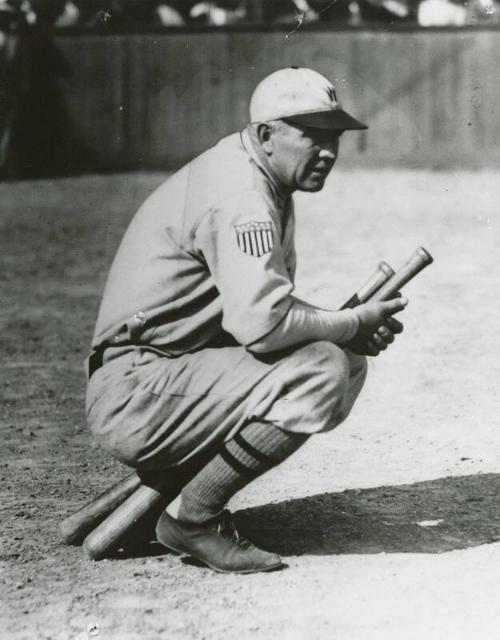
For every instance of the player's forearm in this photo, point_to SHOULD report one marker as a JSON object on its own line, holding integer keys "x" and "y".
{"x": 307, "y": 324}
{"x": 308, "y": 305}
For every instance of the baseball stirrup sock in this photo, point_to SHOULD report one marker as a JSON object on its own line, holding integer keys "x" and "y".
{"x": 253, "y": 451}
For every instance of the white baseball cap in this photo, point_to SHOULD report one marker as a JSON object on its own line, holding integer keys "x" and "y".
{"x": 303, "y": 96}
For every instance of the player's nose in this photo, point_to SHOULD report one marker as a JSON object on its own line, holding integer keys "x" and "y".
{"x": 329, "y": 148}
{"x": 328, "y": 153}
{"x": 329, "y": 143}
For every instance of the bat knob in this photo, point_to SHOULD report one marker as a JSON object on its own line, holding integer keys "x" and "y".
{"x": 424, "y": 255}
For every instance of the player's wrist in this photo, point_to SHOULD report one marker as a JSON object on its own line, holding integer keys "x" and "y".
{"x": 347, "y": 320}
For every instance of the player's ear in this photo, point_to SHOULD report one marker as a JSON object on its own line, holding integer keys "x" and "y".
{"x": 264, "y": 132}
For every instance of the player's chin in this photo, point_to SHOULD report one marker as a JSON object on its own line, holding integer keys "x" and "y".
{"x": 315, "y": 181}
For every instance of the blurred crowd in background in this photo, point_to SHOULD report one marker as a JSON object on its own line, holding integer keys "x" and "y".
{"x": 33, "y": 122}
{"x": 109, "y": 15}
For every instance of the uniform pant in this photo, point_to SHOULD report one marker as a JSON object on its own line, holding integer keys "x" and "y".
{"x": 153, "y": 412}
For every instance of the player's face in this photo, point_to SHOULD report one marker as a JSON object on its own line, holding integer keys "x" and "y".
{"x": 302, "y": 156}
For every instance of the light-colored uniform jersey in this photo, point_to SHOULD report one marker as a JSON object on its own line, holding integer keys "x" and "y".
{"x": 210, "y": 253}
{"x": 211, "y": 250}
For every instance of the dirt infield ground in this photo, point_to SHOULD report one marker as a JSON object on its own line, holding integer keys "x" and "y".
{"x": 390, "y": 525}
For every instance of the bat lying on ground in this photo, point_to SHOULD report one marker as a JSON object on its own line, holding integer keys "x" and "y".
{"x": 107, "y": 536}
{"x": 104, "y": 522}
{"x": 74, "y": 529}
{"x": 145, "y": 503}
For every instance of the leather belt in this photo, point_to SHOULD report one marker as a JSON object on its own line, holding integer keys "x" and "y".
{"x": 95, "y": 362}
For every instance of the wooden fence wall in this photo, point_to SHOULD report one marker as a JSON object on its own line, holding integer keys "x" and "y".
{"x": 431, "y": 98}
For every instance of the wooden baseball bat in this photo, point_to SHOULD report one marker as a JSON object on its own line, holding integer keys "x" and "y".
{"x": 107, "y": 536}
{"x": 380, "y": 276}
{"x": 414, "y": 265}
{"x": 147, "y": 502}
{"x": 76, "y": 527}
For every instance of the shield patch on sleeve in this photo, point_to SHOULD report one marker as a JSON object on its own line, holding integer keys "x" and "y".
{"x": 255, "y": 238}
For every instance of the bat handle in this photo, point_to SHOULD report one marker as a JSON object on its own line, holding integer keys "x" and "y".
{"x": 420, "y": 259}
{"x": 380, "y": 276}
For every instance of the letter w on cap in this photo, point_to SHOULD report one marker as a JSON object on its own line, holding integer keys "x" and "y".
{"x": 255, "y": 238}
{"x": 331, "y": 94}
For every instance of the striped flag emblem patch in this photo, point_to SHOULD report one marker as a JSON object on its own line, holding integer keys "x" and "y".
{"x": 255, "y": 238}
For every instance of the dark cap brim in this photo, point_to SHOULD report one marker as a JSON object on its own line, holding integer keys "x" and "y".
{"x": 337, "y": 119}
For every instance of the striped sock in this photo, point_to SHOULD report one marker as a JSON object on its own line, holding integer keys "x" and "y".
{"x": 255, "y": 449}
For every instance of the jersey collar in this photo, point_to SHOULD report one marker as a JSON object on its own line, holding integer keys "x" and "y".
{"x": 282, "y": 196}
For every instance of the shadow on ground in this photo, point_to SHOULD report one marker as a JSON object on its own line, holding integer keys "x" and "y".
{"x": 462, "y": 511}
{"x": 424, "y": 517}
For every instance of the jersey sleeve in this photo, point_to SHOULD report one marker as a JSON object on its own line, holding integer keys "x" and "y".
{"x": 304, "y": 323}
{"x": 239, "y": 242}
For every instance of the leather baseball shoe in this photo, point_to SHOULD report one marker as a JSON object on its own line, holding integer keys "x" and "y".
{"x": 216, "y": 543}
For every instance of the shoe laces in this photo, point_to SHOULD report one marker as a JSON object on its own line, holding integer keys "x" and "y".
{"x": 227, "y": 528}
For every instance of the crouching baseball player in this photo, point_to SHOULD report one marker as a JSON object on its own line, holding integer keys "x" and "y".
{"x": 200, "y": 344}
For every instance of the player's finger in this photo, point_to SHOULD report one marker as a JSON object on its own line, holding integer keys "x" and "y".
{"x": 379, "y": 342}
{"x": 372, "y": 349}
{"x": 394, "y": 325}
{"x": 389, "y": 307}
{"x": 386, "y": 334}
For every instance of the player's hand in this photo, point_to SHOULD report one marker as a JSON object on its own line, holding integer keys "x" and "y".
{"x": 377, "y": 327}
